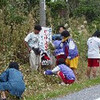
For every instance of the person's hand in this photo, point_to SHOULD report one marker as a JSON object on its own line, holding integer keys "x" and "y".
{"x": 44, "y": 73}
{"x": 29, "y": 50}
{"x": 48, "y": 72}
{"x": 61, "y": 45}
{"x": 63, "y": 40}
{"x": 68, "y": 57}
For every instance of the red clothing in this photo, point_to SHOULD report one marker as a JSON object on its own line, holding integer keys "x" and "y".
{"x": 65, "y": 80}
{"x": 46, "y": 57}
{"x": 58, "y": 57}
{"x": 93, "y": 62}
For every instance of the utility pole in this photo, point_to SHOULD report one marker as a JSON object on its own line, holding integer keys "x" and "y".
{"x": 42, "y": 13}
{"x": 68, "y": 12}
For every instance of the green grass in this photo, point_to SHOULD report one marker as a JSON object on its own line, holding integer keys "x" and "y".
{"x": 64, "y": 90}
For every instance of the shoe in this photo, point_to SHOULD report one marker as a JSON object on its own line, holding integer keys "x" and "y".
{"x": 62, "y": 83}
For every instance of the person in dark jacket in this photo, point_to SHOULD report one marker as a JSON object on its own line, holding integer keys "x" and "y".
{"x": 11, "y": 80}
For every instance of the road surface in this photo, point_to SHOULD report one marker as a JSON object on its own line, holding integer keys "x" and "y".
{"x": 92, "y": 93}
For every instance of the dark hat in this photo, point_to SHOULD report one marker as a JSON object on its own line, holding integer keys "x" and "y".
{"x": 65, "y": 34}
{"x": 96, "y": 34}
{"x": 61, "y": 61}
{"x": 14, "y": 65}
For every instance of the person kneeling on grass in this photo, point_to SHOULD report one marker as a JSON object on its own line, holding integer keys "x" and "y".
{"x": 11, "y": 81}
{"x": 65, "y": 73}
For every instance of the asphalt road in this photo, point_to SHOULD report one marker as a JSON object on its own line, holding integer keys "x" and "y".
{"x": 92, "y": 93}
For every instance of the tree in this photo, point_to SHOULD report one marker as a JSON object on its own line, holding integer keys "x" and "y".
{"x": 90, "y": 9}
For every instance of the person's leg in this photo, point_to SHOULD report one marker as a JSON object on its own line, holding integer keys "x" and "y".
{"x": 38, "y": 63}
{"x": 4, "y": 89}
{"x": 96, "y": 63}
{"x": 89, "y": 68}
{"x": 60, "y": 75}
{"x": 31, "y": 57}
{"x": 74, "y": 64}
{"x": 3, "y": 95}
{"x": 62, "y": 78}
{"x": 32, "y": 60}
{"x": 94, "y": 70}
{"x": 88, "y": 72}
{"x": 75, "y": 71}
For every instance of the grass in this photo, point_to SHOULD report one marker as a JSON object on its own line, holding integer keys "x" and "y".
{"x": 64, "y": 90}
{"x": 40, "y": 87}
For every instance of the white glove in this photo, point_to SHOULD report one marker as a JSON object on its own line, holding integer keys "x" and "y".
{"x": 68, "y": 57}
{"x": 44, "y": 73}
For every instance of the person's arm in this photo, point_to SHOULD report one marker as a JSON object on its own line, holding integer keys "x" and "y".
{"x": 71, "y": 48}
{"x": 51, "y": 72}
{"x": 4, "y": 76}
{"x": 28, "y": 37}
{"x": 26, "y": 44}
{"x": 56, "y": 69}
{"x": 99, "y": 43}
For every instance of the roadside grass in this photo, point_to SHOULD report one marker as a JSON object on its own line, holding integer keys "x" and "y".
{"x": 64, "y": 90}
{"x": 41, "y": 87}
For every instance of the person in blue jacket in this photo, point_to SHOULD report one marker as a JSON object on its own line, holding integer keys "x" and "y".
{"x": 11, "y": 80}
{"x": 58, "y": 35}
{"x": 71, "y": 51}
{"x": 65, "y": 73}
{"x": 58, "y": 52}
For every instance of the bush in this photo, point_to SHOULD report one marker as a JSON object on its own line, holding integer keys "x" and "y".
{"x": 88, "y": 8}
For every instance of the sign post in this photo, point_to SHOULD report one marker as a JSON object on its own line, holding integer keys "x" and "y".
{"x": 45, "y": 39}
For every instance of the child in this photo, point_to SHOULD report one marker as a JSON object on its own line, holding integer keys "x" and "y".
{"x": 70, "y": 50}
{"x": 93, "y": 53}
{"x": 63, "y": 71}
{"x": 11, "y": 80}
{"x": 58, "y": 52}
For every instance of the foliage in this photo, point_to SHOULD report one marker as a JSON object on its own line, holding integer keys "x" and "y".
{"x": 88, "y": 8}
{"x": 63, "y": 90}
{"x": 17, "y": 18}
{"x": 57, "y": 12}
{"x": 15, "y": 23}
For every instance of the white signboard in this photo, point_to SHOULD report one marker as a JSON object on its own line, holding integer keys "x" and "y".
{"x": 45, "y": 38}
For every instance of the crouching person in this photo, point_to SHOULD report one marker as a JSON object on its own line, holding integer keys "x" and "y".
{"x": 65, "y": 73}
{"x": 11, "y": 81}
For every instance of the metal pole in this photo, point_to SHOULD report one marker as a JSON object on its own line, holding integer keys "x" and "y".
{"x": 42, "y": 13}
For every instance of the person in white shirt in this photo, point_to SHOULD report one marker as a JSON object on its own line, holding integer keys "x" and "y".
{"x": 32, "y": 43}
{"x": 93, "y": 54}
